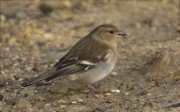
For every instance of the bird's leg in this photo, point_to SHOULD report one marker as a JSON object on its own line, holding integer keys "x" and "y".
{"x": 91, "y": 87}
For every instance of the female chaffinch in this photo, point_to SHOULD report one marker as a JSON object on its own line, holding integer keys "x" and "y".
{"x": 91, "y": 59}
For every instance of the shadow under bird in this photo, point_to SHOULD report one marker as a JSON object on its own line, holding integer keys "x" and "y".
{"x": 91, "y": 59}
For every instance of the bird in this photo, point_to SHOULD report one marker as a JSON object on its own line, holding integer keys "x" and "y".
{"x": 90, "y": 60}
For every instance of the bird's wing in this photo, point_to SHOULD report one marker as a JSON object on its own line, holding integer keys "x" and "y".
{"x": 78, "y": 61}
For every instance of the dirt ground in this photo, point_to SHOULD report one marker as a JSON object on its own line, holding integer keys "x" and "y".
{"x": 35, "y": 34}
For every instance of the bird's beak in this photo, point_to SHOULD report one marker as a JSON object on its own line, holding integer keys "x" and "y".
{"x": 121, "y": 34}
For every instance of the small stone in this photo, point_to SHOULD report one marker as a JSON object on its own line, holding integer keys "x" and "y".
{"x": 62, "y": 106}
{"x": 86, "y": 91}
{"x": 113, "y": 74}
{"x": 32, "y": 8}
{"x": 138, "y": 25}
{"x": 71, "y": 92}
{"x": 15, "y": 64}
{"x": 134, "y": 106}
{"x": 66, "y": 15}
{"x": 143, "y": 53}
{"x": 40, "y": 98}
{"x": 20, "y": 79}
{"x": 65, "y": 5}
{"x": 161, "y": 100}
{"x": 12, "y": 78}
{"x": 142, "y": 80}
{"x": 8, "y": 90}
{"x": 6, "y": 83}
{"x": 48, "y": 35}
{"x": 22, "y": 103}
{"x": 21, "y": 15}
{"x": 148, "y": 94}
{"x": 12, "y": 41}
{"x": 176, "y": 74}
{"x": 13, "y": 94}
{"x": 126, "y": 93}
{"x": 115, "y": 90}
{"x": 128, "y": 67}
{"x": 2, "y": 18}
{"x": 27, "y": 93}
{"x": 59, "y": 90}
{"x": 74, "y": 102}
{"x": 47, "y": 104}
{"x": 96, "y": 95}
{"x": 165, "y": 61}
{"x": 54, "y": 104}
{"x": 62, "y": 101}
{"x": 108, "y": 94}
{"x": 79, "y": 100}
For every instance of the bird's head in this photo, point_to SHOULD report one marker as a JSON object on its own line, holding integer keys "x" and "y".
{"x": 107, "y": 33}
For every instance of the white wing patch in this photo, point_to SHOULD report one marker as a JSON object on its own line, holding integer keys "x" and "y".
{"x": 87, "y": 68}
{"x": 84, "y": 62}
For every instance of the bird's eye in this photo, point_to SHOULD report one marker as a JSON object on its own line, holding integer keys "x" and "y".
{"x": 111, "y": 31}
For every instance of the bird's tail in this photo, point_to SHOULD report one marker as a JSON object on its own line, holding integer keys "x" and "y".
{"x": 39, "y": 78}
{"x": 35, "y": 80}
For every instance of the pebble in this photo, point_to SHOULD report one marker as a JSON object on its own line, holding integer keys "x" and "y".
{"x": 126, "y": 93}
{"x": 12, "y": 41}
{"x": 22, "y": 103}
{"x": 169, "y": 80}
{"x": 176, "y": 75}
{"x": 138, "y": 25}
{"x": 142, "y": 80}
{"x": 21, "y": 15}
{"x": 66, "y": 15}
{"x": 71, "y": 92}
{"x": 96, "y": 95}
{"x": 74, "y": 102}
{"x": 113, "y": 74}
{"x": 16, "y": 64}
{"x": 79, "y": 100}
{"x": 165, "y": 61}
{"x": 13, "y": 94}
{"x": 108, "y": 94}
{"x": 62, "y": 15}
{"x": 128, "y": 67}
{"x": 7, "y": 62}
{"x": 134, "y": 106}
{"x": 62, "y": 106}
{"x": 40, "y": 98}
{"x": 26, "y": 93}
{"x": 86, "y": 91}
{"x": 12, "y": 78}
{"x": 65, "y": 5}
{"x": 47, "y": 104}
{"x": 61, "y": 101}
{"x": 2, "y": 18}
{"x": 20, "y": 79}
{"x": 161, "y": 100}
{"x": 115, "y": 90}
{"x": 59, "y": 90}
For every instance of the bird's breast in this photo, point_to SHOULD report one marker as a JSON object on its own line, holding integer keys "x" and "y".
{"x": 100, "y": 71}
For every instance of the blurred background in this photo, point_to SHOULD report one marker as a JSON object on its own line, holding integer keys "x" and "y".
{"x": 35, "y": 34}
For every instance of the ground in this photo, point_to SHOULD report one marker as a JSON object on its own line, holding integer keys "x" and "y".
{"x": 35, "y": 34}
